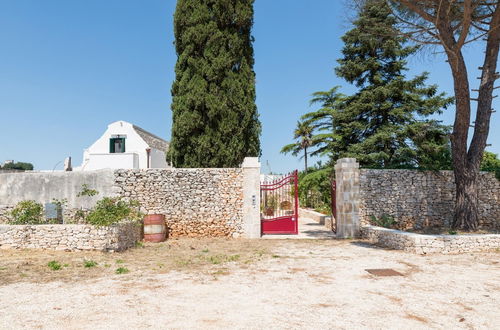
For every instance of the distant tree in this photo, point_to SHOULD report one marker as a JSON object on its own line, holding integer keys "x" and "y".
{"x": 303, "y": 135}
{"x": 453, "y": 24}
{"x": 215, "y": 119}
{"x": 491, "y": 163}
{"x": 18, "y": 166}
{"x": 377, "y": 124}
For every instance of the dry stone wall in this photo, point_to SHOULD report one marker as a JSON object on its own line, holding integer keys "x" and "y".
{"x": 418, "y": 199}
{"x": 195, "y": 202}
{"x": 70, "y": 237}
{"x": 427, "y": 244}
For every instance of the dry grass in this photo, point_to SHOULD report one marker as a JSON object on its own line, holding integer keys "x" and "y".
{"x": 205, "y": 255}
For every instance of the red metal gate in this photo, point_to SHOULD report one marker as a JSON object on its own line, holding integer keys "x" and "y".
{"x": 280, "y": 205}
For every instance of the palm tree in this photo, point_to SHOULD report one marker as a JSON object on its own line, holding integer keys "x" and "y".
{"x": 303, "y": 135}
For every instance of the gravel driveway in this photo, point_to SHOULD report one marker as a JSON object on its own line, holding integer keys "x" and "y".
{"x": 300, "y": 284}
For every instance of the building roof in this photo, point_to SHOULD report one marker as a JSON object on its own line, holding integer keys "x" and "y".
{"x": 152, "y": 140}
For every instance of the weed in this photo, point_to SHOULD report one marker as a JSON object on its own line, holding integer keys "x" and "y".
{"x": 119, "y": 261}
{"x": 221, "y": 258}
{"x": 235, "y": 257}
{"x": 86, "y": 191}
{"x": 385, "y": 221}
{"x": 276, "y": 256}
{"x": 122, "y": 270}
{"x": 260, "y": 253}
{"x": 139, "y": 244}
{"x": 66, "y": 265}
{"x": 54, "y": 265}
{"x": 183, "y": 262}
{"x": 221, "y": 272}
{"x": 107, "y": 265}
{"x": 3, "y": 268}
{"x": 452, "y": 232}
{"x": 89, "y": 263}
{"x": 204, "y": 250}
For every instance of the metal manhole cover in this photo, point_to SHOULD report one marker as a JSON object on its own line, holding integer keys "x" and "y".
{"x": 384, "y": 272}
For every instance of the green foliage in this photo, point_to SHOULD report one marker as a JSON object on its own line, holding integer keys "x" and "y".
{"x": 303, "y": 135}
{"x": 215, "y": 119}
{"x": 89, "y": 263}
{"x": 86, "y": 191}
{"x": 111, "y": 210}
{"x": 54, "y": 265}
{"x": 491, "y": 163}
{"x": 122, "y": 270}
{"x": 385, "y": 221}
{"x": 18, "y": 166}
{"x": 27, "y": 213}
{"x": 384, "y": 123}
{"x": 315, "y": 188}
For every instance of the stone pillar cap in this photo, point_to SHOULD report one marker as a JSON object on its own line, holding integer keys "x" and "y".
{"x": 251, "y": 162}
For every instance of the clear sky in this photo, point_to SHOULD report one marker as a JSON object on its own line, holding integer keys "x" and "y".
{"x": 69, "y": 68}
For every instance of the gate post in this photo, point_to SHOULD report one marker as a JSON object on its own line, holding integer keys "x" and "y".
{"x": 347, "y": 178}
{"x": 251, "y": 197}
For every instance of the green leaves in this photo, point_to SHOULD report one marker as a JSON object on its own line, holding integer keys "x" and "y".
{"x": 215, "y": 119}
{"x": 382, "y": 124}
{"x": 27, "y": 213}
{"x": 111, "y": 210}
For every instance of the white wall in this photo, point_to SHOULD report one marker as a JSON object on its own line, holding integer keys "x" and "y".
{"x": 133, "y": 144}
{"x": 112, "y": 161}
{"x": 158, "y": 159}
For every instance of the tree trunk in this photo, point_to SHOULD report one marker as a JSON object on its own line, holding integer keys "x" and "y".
{"x": 466, "y": 205}
{"x": 466, "y": 161}
{"x": 305, "y": 160}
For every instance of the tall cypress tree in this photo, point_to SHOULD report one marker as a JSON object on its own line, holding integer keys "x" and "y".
{"x": 381, "y": 124}
{"x": 215, "y": 119}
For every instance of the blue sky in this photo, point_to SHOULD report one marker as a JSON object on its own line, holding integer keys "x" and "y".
{"x": 69, "y": 68}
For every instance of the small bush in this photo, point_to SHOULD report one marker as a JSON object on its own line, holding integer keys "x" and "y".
{"x": 89, "y": 263}
{"x": 54, "y": 265}
{"x": 122, "y": 270}
{"x": 87, "y": 192}
{"x": 27, "y": 213}
{"x": 111, "y": 210}
{"x": 385, "y": 221}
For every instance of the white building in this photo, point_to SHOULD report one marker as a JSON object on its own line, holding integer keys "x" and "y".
{"x": 125, "y": 146}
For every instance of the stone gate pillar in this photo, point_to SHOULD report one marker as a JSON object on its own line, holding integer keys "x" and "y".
{"x": 347, "y": 178}
{"x": 251, "y": 197}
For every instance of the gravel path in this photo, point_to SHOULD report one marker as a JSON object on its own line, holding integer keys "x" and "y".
{"x": 306, "y": 285}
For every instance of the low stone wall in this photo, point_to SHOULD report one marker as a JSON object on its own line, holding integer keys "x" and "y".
{"x": 418, "y": 199}
{"x": 70, "y": 237}
{"x": 427, "y": 244}
{"x": 322, "y": 219}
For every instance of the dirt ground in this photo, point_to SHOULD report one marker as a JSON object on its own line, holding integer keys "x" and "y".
{"x": 248, "y": 284}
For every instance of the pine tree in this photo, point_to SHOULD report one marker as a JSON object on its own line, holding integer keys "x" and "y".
{"x": 215, "y": 119}
{"x": 377, "y": 125}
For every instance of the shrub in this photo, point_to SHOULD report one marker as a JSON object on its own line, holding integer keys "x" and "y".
{"x": 385, "y": 221}
{"x": 122, "y": 270}
{"x": 89, "y": 263}
{"x": 111, "y": 210}
{"x": 27, "y": 213}
{"x": 54, "y": 265}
